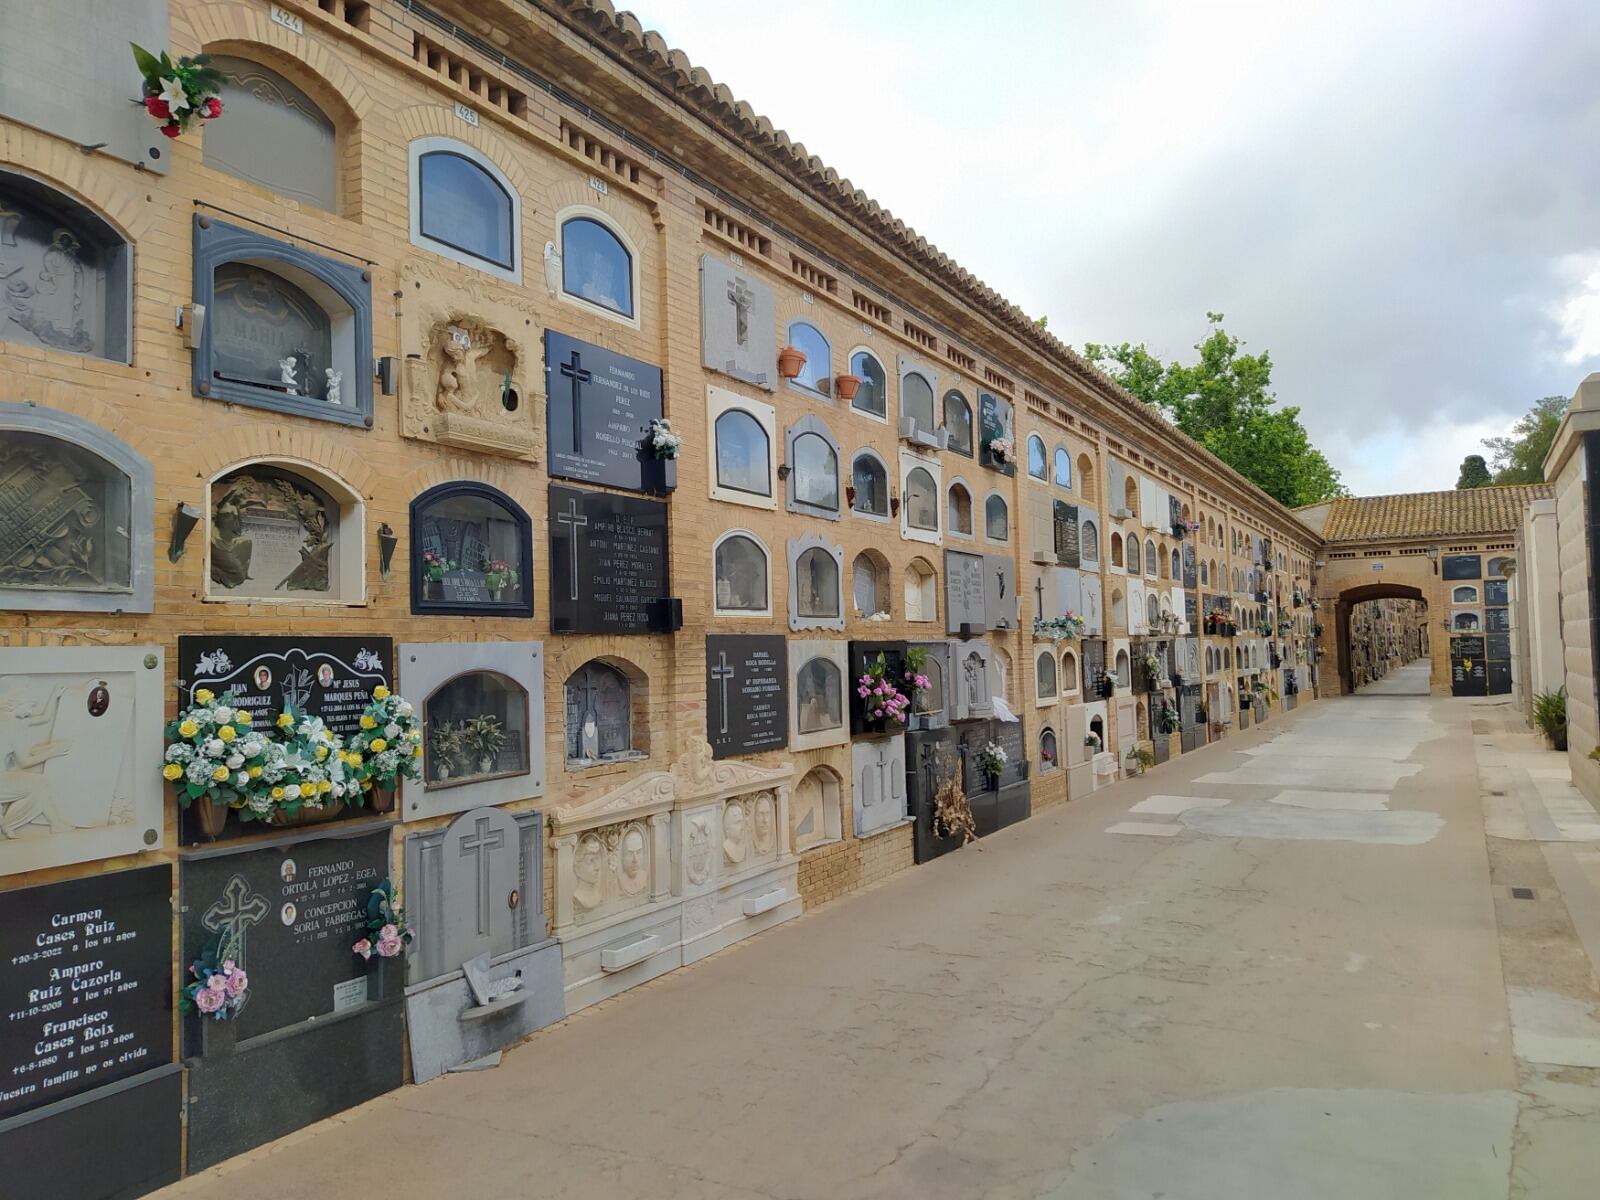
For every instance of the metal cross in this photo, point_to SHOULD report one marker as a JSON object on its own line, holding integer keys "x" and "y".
{"x": 722, "y": 672}
{"x": 478, "y": 845}
{"x": 572, "y": 518}
{"x": 231, "y": 917}
{"x": 575, "y": 372}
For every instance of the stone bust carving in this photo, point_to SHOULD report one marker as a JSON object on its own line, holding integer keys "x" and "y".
{"x": 586, "y": 869}
{"x": 697, "y": 860}
{"x": 734, "y": 833}
{"x": 632, "y": 872}
{"x": 766, "y": 822}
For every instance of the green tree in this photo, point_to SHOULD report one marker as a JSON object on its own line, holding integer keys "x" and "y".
{"x": 1224, "y": 401}
{"x": 1519, "y": 456}
{"x": 1474, "y": 473}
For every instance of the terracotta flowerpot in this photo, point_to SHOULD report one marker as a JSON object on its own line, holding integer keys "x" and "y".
{"x": 210, "y": 817}
{"x": 790, "y": 360}
{"x": 847, "y": 386}
{"x": 380, "y": 799}
{"x": 307, "y": 816}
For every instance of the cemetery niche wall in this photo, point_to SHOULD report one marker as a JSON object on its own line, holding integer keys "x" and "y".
{"x": 669, "y": 868}
{"x": 79, "y": 507}
{"x": 747, "y": 689}
{"x": 80, "y": 754}
{"x": 483, "y": 726}
{"x": 487, "y": 973}
{"x": 601, "y": 406}
{"x": 471, "y": 552}
{"x": 608, "y": 564}
{"x": 90, "y": 1098}
{"x": 321, "y": 1029}
{"x": 738, "y": 323}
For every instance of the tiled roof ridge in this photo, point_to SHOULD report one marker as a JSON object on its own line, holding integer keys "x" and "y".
{"x": 1452, "y": 512}
{"x": 672, "y": 70}
{"x": 1491, "y": 487}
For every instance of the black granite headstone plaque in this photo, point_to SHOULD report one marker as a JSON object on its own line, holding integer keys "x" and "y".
{"x": 1468, "y": 670}
{"x": 85, "y": 985}
{"x": 600, "y": 406}
{"x": 289, "y": 914}
{"x": 747, "y": 693}
{"x": 931, "y": 757}
{"x": 608, "y": 563}
{"x": 1191, "y": 568}
{"x": 465, "y": 587}
{"x": 1462, "y": 566}
{"x": 994, "y": 420}
{"x": 1498, "y": 646}
{"x": 1496, "y": 591}
{"x": 1497, "y": 620}
{"x": 327, "y": 677}
{"x": 1068, "y": 548}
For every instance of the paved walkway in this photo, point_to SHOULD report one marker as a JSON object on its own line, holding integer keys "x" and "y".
{"x": 1271, "y": 969}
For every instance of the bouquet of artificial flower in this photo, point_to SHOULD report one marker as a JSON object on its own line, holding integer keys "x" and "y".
{"x": 1001, "y": 450}
{"x": 215, "y": 990}
{"x": 387, "y": 931}
{"x": 993, "y": 758}
{"x": 311, "y": 768}
{"x": 388, "y": 746}
{"x": 177, "y": 94}
{"x": 213, "y": 752}
{"x": 663, "y": 441}
{"x": 880, "y": 695}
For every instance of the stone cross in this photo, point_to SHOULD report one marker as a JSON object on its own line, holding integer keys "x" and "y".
{"x": 575, "y": 521}
{"x": 575, "y": 372}
{"x": 480, "y": 845}
{"x": 742, "y": 297}
{"x": 231, "y": 917}
{"x": 1038, "y": 592}
{"x": 722, "y": 672}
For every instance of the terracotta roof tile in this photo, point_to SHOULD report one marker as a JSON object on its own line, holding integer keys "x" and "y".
{"x": 1466, "y": 512}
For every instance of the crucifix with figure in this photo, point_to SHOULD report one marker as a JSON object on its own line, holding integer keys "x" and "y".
{"x": 575, "y": 372}
{"x": 479, "y": 846}
{"x": 721, "y": 673}
{"x": 575, "y": 521}
{"x": 231, "y": 917}
{"x": 741, "y": 297}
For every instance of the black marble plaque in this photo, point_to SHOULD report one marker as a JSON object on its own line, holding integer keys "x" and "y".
{"x": 600, "y": 405}
{"x": 747, "y": 693}
{"x": 994, "y": 420}
{"x": 1462, "y": 566}
{"x": 862, "y": 656}
{"x": 1468, "y": 670}
{"x": 1496, "y": 591}
{"x": 608, "y": 563}
{"x": 327, "y": 677}
{"x": 1011, "y": 736}
{"x": 289, "y": 914}
{"x": 1191, "y": 568}
{"x": 1498, "y": 646}
{"x": 1068, "y": 549}
{"x": 1497, "y": 620}
{"x": 85, "y": 985}
{"x": 931, "y": 757}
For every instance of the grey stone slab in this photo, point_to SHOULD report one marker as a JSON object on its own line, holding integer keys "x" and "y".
{"x": 878, "y": 792}
{"x": 964, "y": 592}
{"x": 738, "y": 323}
{"x": 1000, "y": 591}
{"x": 441, "y": 1017}
{"x": 970, "y": 688}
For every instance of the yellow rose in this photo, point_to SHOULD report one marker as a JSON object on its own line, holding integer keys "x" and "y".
{"x": 417, "y": 753}
{"x": 172, "y": 771}
{"x": 322, "y": 753}
{"x": 367, "y": 722}
{"x": 415, "y": 735}
{"x": 379, "y": 745}
{"x": 241, "y": 717}
{"x": 226, "y": 733}
{"x": 380, "y": 692}
{"x": 188, "y": 729}
{"x": 220, "y": 774}
{"x": 205, "y": 696}
{"x": 354, "y": 760}
{"x": 255, "y": 772}
{"x": 277, "y": 793}
{"x": 285, "y": 720}
{"x": 324, "y": 786}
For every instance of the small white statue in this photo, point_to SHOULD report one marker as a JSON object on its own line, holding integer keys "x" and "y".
{"x": 335, "y": 378}
{"x": 286, "y": 369}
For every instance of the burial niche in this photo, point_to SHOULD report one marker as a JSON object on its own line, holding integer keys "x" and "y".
{"x": 869, "y": 574}
{"x": 596, "y": 267}
{"x": 471, "y": 552}
{"x": 275, "y": 535}
{"x": 958, "y": 422}
{"x": 815, "y": 817}
{"x": 922, "y": 500}
{"x": 819, "y": 695}
{"x": 283, "y": 328}
{"x": 463, "y": 206}
{"x": 816, "y": 597}
{"x": 740, "y": 564}
{"x": 275, "y": 135}
{"x": 64, "y": 279}
{"x": 813, "y": 469}
{"x": 873, "y": 394}
{"x": 599, "y": 721}
{"x": 743, "y": 453}
{"x": 475, "y": 727}
{"x": 870, "y": 482}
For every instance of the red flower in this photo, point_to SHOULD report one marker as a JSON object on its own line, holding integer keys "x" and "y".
{"x": 171, "y": 129}
{"x": 211, "y": 108}
{"x": 157, "y": 107}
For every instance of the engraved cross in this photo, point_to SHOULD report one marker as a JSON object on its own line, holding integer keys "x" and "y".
{"x": 575, "y": 521}
{"x": 575, "y": 372}
{"x": 722, "y": 672}
{"x": 480, "y": 846}
{"x": 232, "y": 916}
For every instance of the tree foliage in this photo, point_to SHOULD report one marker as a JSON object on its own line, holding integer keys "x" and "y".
{"x": 1474, "y": 473}
{"x": 1519, "y": 456}
{"x": 1224, "y": 401}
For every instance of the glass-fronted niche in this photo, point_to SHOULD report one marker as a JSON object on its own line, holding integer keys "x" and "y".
{"x": 471, "y": 552}
{"x": 599, "y": 716}
{"x": 475, "y": 728}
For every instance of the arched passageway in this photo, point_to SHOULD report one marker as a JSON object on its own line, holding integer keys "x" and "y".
{"x": 1378, "y": 628}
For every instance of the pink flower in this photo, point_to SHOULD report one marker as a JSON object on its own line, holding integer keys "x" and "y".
{"x": 217, "y": 982}
{"x": 207, "y": 1000}
{"x": 228, "y": 965}
{"x": 389, "y": 947}
{"x": 237, "y": 983}
{"x": 388, "y": 933}
{"x": 363, "y": 948}
{"x": 878, "y": 712}
{"x": 924, "y": 682}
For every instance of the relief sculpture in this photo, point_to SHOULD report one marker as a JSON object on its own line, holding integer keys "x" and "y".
{"x": 289, "y": 518}
{"x": 54, "y": 526}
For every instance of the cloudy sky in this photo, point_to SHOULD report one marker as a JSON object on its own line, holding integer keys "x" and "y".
{"x": 1400, "y": 200}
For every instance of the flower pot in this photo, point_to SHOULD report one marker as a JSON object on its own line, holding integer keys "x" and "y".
{"x": 486, "y": 766}
{"x": 218, "y": 1038}
{"x": 210, "y": 817}
{"x": 790, "y": 360}
{"x": 442, "y": 772}
{"x": 386, "y": 977}
{"x": 381, "y": 799}
{"x": 662, "y": 476}
{"x": 847, "y": 386}
{"x": 307, "y": 816}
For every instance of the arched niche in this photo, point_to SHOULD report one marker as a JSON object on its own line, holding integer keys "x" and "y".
{"x": 471, "y": 552}
{"x": 282, "y": 531}
{"x": 815, "y": 812}
{"x": 605, "y": 707}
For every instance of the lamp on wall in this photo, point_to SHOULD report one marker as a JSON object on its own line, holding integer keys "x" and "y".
{"x": 387, "y": 541}
{"x": 1433, "y": 557}
{"x": 183, "y": 523}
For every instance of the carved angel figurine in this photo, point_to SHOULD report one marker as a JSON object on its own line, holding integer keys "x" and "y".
{"x": 450, "y": 398}
{"x": 335, "y": 380}
{"x": 286, "y": 373}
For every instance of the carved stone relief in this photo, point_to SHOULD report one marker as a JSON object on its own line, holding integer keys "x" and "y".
{"x": 270, "y": 534}
{"x": 66, "y": 517}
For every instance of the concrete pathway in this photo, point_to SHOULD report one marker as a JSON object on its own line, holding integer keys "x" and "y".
{"x": 1272, "y": 968}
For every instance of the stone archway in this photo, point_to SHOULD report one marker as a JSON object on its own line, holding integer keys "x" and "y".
{"x": 1345, "y": 604}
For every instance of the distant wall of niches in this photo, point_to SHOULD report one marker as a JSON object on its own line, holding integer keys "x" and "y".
{"x": 704, "y": 529}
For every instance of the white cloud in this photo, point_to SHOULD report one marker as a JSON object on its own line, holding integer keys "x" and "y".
{"x": 1579, "y": 312}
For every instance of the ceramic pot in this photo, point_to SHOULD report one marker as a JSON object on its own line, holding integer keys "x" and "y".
{"x": 848, "y": 386}
{"x": 307, "y": 816}
{"x": 210, "y": 817}
{"x": 380, "y": 799}
{"x": 790, "y": 360}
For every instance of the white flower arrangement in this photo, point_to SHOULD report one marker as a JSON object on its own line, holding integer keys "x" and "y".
{"x": 1002, "y": 450}
{"x": 993, "y": 758}
{"x": 663, "y": 441}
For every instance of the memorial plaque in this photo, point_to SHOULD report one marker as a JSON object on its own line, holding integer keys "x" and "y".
{"x": 1092, "y": 653}
{"x": 289, "y": 915}
{"x": 85, "y": 985}
{"x": 964, "y": 592}
{"x": 970, "y": 688}
{"x": 1497, "y": 620}
{"x": 1499, "y": 678}
{"x": 994, "y": 420}
{"x": 327, "y": 677}
{"x": 1496, "y": 591}
{"x": 1462, "y": 566}
{"x": 738, "y": 323}
{"x": 879, "y": 792}
{"x": 1068, "y": 549}
{"x": 1191, "y": 567}
{"x": 601, "y": 405}
{"x": 1468, "y": 670}
{"x": 1011, "y": 737}
{"x": 931, "y": 758}
{"x": 1498, "y": 646}
{"x": 747, "y": 703}
{"x": 1000, "y": 591}
{"x": 608, "y": 563}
